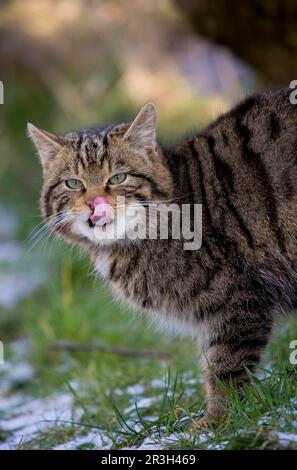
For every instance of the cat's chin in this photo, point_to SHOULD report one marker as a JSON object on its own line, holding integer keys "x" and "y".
{"x": 107, "y": 234}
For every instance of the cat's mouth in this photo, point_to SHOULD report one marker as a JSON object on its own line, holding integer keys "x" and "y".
{"x": 93, "y": 223}
{"x": 102, "y": 212}
{"x": 106, "y": 230}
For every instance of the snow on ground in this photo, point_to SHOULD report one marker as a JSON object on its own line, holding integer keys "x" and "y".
{"x": 16, "y": 286}
{"x": 16, "y": 279}
{"x": 145, "y": 402}
{"x": 23, "y": 418}
{"x": 10, "y": 227}
{"x": 92, "y": 440}
{"x": 27, "y": 420}
{"x": 286, "y": 438}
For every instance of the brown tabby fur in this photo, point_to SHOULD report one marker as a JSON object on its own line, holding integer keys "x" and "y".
{"x": 243, "y": 170}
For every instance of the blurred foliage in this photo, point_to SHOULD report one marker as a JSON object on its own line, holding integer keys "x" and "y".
{"x": 70, "y": 64}
{"x": 261, "y": 32}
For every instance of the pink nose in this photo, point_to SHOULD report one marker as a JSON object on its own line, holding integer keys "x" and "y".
{"x": 102, "y": 210}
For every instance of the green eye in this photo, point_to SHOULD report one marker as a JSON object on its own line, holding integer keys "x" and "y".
{"x": 74, "y": 184}
{"x": 117, "y": 179}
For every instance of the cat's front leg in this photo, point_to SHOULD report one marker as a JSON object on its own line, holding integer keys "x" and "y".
{"x": 232, "y": 347}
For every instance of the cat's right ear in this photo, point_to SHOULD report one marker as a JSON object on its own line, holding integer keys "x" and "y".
{"x": 47, "y": 145}
{"x": 142, "y": 132}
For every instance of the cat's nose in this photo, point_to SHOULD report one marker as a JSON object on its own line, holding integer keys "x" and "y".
{"x": 102, "y": 210}
{"x": 91, "y": 204}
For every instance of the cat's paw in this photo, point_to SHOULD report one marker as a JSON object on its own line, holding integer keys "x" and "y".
{"x": 206, "y": 423}
{"x": 200, "y": 425}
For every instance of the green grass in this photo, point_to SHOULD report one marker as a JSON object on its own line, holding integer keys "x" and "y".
{"x": 74, "y": 307}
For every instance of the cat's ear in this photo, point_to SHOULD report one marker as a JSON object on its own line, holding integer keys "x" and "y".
{"x": 47, "y": 144}
{"x": 142, "y": 132}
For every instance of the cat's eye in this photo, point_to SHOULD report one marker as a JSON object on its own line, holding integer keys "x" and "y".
{"x": 117, "y": 179}
{"x": 74, "y": 184}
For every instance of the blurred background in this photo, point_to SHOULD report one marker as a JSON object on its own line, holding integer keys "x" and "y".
{"x": 68, "y": 64}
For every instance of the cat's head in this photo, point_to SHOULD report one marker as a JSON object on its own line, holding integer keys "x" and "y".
{"x": 92, "y": 179}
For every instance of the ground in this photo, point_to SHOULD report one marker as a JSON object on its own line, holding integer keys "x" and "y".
{"x": 53, "y": 399}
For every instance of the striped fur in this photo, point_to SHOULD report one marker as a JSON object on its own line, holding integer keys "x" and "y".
{"x": 243, "y": 170}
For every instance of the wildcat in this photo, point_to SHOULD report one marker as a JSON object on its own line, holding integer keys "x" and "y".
{"x": 243, "y": 170}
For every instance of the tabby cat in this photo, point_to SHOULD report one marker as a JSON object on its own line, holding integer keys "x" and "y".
{"x": 243, "y": 170}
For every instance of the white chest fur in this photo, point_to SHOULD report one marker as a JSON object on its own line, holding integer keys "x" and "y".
{"x": 163, "y": 318}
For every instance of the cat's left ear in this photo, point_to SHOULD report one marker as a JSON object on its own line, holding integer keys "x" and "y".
{"x": 47, "y": 144}
{"x": 142, "y": 132}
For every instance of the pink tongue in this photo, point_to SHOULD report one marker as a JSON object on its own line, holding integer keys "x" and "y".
{"x": 102, "y": 211}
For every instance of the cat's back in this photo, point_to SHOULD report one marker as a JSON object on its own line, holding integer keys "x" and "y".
{"x": 262, "y": 128}
{"x": 246, "y": 173}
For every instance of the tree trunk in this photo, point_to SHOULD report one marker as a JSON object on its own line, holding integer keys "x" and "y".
{"x": 263, "y": 33}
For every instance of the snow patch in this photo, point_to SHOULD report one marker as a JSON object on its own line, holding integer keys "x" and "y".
{"x": 9, "y": 226}
{"x": 35, "y": 416}
{"x": 137, "y": 389}
{"x": 96, "y": 439}
{"x": 142, "y": 403}
{"x": 17, "y": 285}
{"x": 285, "y": 438}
